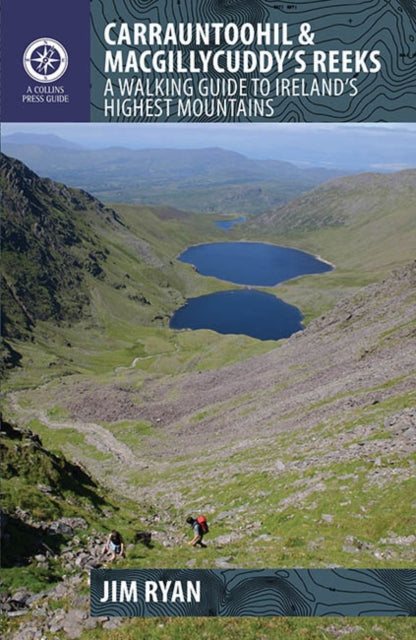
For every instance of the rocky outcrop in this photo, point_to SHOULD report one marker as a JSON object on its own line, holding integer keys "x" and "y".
{"x": 48, "y": 248}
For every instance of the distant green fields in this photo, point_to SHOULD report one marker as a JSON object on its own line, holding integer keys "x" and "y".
{"x": 211, "y": 180}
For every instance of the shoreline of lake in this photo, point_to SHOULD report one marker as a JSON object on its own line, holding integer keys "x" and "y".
{"x": 270, "y": 244}
{"x": 251, "y": 269}
{"x": 250, "y": 312}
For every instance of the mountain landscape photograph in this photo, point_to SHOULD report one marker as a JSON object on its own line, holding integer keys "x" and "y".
{"x": 206, "y": 319}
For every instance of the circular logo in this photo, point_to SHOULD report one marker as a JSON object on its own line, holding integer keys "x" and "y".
{"x": 45, "y": 60}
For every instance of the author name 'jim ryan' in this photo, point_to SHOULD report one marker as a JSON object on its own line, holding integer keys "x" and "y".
{"x": 152, "y": 591}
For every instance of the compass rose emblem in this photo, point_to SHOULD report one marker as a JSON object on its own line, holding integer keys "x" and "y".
{"x": 45, "y": 60}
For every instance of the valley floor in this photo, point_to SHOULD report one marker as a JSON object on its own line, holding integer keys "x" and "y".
{"x": 304, "y": 456}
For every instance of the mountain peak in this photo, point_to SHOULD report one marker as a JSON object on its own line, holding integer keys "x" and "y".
{"x": 41, "y": 139}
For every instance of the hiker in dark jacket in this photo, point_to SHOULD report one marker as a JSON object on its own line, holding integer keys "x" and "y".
{"x": 115, "y": 545}
{"x": 198, "y": 533}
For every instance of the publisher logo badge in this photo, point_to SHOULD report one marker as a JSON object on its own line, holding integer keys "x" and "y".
{"x": 45, "y": 60}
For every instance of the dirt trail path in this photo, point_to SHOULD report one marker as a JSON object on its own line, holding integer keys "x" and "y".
{"x": 152, "y": 356}
{"x": 95, "y": 435}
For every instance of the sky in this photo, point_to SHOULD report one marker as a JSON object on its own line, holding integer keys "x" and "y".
{"x": 383, "y": 146}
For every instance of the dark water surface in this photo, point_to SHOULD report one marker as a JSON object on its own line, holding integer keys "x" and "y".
{"x": 227, "y": 224}
{"x": 252, "y": 263}
{"x": 250, "y": 312}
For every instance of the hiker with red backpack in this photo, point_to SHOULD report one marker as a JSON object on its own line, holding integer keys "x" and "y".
{"x": 200, "y": 528}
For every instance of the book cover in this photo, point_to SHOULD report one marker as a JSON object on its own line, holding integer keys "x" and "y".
{"x": 208, "y": 240}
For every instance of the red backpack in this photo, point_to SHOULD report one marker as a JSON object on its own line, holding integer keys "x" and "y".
{"x": 202, "y": 521}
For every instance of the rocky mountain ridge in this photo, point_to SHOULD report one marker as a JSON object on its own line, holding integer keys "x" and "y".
{"x": 49, "y": 246}
{"x": 342, "y": 201}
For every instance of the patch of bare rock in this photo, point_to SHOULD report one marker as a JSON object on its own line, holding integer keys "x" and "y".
{"x": 356, "y": 356}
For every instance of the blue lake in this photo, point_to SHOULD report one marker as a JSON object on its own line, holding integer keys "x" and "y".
{"x": 250, "y": 312}
{"x": 252, "y": 263}
{"x": 227, "y": 224}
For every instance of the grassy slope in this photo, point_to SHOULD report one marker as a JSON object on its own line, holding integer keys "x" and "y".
{"x": 46, "y": 486}
{"x": 125, "y": 306}
{"x": 320, "y": 491}
{"x": 250, "y": 479}
{"x": 131, "y": 306}
{"x": 364, "y": 225}
{"x": 370, "y": 231}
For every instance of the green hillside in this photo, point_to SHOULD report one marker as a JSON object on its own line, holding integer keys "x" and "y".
{"x": 45, "y": 500}
{"x": 365, "y": 225}
{"x": 301, "y": 452}
{"x": 84, "y": 286}
{"x": 49, "y": 247}
{"x": 369, "y": 213}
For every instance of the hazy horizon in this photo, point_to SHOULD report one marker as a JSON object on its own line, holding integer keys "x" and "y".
{"x": 377, "y": 146}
